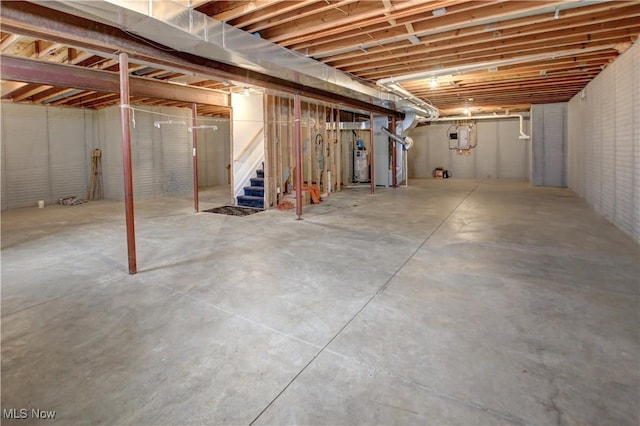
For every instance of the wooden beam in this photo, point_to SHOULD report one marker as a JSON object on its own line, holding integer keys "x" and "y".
{"x": 334, "y": 19}
{"x": 474, "y": 35}
{"x": 271, "y": 16}
{"x": 48, "y": 48}
{"x": 9, "y": 41}
{"x": 8, "y": 87}
{"x": 43, "y": 23}
{"x": 32, "y": 71}
{"x": 244, "y": 9}
{"x": 346, "y": 45}
{"x": 468, "y": 58}
{"x": 28, "y": 93}
{"x": 480, "y": 44}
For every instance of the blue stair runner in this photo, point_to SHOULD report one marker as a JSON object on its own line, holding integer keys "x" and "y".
{"x": 254, "y": 194}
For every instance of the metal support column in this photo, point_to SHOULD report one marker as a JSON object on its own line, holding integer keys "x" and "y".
{"x": 298, "y": 143}
{"x": 394, "y": 156}
{"x": 194, "y": 137}
{"x": 372, "y": 172}
{"x": 126, "y": 161}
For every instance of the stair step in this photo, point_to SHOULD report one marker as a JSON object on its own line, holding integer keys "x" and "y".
{"x": 256, "y": 191}
{"x": 260, "y": 173}
{"x": 257, "y": 182}
{"x": 250, "y": 201}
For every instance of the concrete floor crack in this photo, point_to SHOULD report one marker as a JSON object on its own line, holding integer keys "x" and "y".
{"x": 379, "y": 291}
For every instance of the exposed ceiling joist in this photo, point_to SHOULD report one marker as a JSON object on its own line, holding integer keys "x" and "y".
{"x": 42, "y": 23}
{"x": 31, "y": 71}
{"x": 371, "y": 40}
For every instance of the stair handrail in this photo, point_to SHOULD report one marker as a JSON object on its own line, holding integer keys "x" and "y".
{"x": 253, "y": 140}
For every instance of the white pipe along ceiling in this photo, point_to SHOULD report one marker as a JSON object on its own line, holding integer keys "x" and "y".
{"x": 488, "y": 117}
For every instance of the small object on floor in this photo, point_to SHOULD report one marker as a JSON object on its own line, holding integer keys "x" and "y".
{"x": 233, "y": 210}
{"x": 440, "y": 173}
{"x": 286, "y": 205}
{"x": 69, "y": 201}
{"x": 315, "y": 194}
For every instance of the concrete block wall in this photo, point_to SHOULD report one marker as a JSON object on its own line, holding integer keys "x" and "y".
{"x": 499, "y": 154}
{"x": 604, "y": 142}
{"x": 46, "y": 153}
{"x": 549, "y": 144}
{"x": 161, "y": 157}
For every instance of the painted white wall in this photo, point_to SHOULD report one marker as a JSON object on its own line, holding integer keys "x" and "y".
{"x": 248, "y": 138}
{"x": 46, "y": 153}
{"x": 604, "y": 142}
{"x": 499, "y": 154}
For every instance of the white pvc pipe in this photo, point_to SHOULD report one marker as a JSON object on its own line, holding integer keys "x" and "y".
{"x": 406, "y": 169}
{"x": 487, "y": 117}
{"x": 385, "y": 82}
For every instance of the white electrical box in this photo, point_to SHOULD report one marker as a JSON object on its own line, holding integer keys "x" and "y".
{"x": 463, "y": 137}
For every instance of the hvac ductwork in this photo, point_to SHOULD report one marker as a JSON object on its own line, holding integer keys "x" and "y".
{"x": 187, "y": 30}
{"x": 405, "y": 141}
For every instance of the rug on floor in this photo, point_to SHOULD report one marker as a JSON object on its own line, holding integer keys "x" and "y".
{"x": 233, "y": 210}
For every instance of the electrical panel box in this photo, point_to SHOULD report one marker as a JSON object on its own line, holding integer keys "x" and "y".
{"x": 463, "y": 137}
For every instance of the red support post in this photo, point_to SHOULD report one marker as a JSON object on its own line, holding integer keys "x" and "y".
{"x": 394, "y": 156}
{"x": 298, "y": 143}
{"x": 126, "y": 161}
{"x": 194, "y": 122}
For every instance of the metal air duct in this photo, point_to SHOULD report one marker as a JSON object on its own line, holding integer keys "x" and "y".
{"x": 184, "y": 29}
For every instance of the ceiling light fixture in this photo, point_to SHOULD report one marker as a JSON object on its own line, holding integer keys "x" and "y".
{"x": 556, "y": 15}
{"x": 434, "y": 82}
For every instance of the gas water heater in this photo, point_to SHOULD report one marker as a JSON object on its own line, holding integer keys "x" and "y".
{"x": 360, "y": 163}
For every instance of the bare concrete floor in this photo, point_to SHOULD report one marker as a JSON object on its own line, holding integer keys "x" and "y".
{"x": 447, "y": 302}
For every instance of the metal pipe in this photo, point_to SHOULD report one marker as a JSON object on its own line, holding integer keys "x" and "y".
{"x": 372, "y": 172}
{"x": 488, "y": 117}
{"x": 126, "y": 161}
{"x": 194, "y": 138}
{"x": 298, "y": 143}
{"x": 405, "y": 141}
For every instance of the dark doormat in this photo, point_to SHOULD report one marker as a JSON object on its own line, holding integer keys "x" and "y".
{"x": 233, "y": 210}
